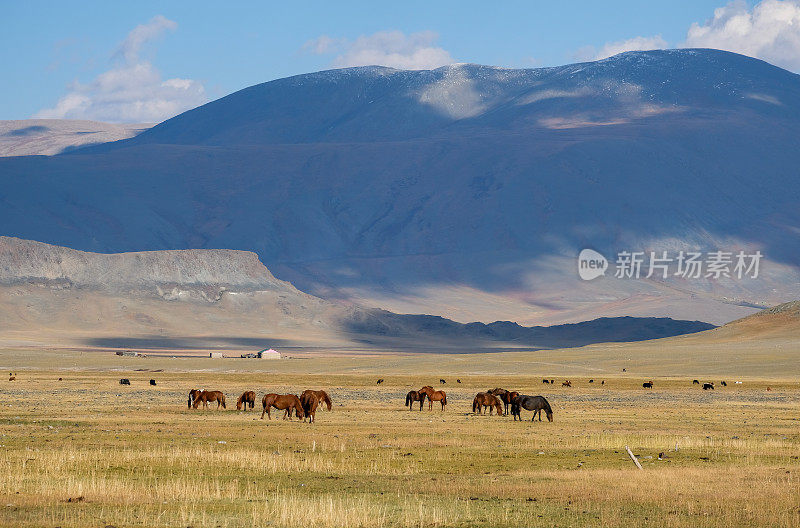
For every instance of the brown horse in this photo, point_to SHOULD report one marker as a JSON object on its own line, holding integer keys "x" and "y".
{"x": 247, "y": 399}
{"x": 287, "y": 402}
{"x": 433, "y": 396}
{"x": 414, "y": 396}
{"x": 567, "y": 383}
{"x": 309, "y": 401}
{"x": 505, "y": 396}
{"x": 486, "y": 399}
{"x": 209, "y": 396}
{"x": 321, "y": 395}
{"x": 193, "y": 394}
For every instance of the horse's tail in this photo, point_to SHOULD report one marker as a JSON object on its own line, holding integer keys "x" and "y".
{"x": 444, "y": 398}
{"x": 474, "y": 404}
{"x": 223, "y": 402}
{"x": 328, "y": 402}
{"x": 408, "y": 399}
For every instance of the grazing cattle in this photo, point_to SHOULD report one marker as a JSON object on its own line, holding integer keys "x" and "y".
{"x": 723, "y": 384}
{"x": 769, "y": 389}
{"x": 603, "y": 382}
{"x": 546, "y": 381}
{"x": 647, "y": 385}
{"x": 442, "y": 381}
{"x": 414, "y": 396}
{"x": 379, "y": 381}
{"x": 567, "y": 383}
{"x": 247, "y": 399}
{"x": 59, "y": 379}
{"x": 531, "y": 403}
{"x": 193, "y": 394}
{"x": 433, "y": 396}
{"x": 458, "y": 381}
{"x": 624, "y": 370}
{"x": 287, "y": 402}
{"x": 322, "y": 396}
{"x": 309, "y": 402}
{"x": 11, "y": 377}
{"x": 591, "y": 381}
{"x": 486, "y": 399}
{"x": 153, "y": 382}
{"x": 124, "y": 381}
{"x": 209, "y": 396}
{"x": 552, "y": 382}
{"x": 695, "y": 382}
{"x": 708, "y": 386}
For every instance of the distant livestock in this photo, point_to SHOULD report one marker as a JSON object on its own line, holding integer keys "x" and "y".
{"x": 723, "y": 384}
{"x": 458, "y": 381}
{"x": 708, "y": 386}
{"x": 124, "y": 381}
{"x": 442, "y": 381}
{"x": 546, "y": 381}
{"x": 153, "y": 382}
{"x": 695, "y": 382}
{"x": 567, "y": 383}
{"x": 647, "y": 385}
{"x": 379, "y": 381}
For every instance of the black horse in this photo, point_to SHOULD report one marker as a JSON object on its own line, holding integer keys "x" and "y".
{"x": 413, "y": 396}
{"x": 531, "y": 403}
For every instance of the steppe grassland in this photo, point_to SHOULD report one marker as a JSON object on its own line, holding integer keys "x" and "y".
{"x": 86, "y": 451}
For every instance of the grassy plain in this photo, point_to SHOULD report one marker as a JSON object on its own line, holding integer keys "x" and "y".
{"x": 86, "y": 451}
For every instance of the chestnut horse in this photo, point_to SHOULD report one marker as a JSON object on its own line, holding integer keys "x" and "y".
{"x": 433, "y": 396}
{"x": 486, "y": 399}
{"x": 247, "y": 399}
{"x": 209, "y": 396}
{"x": 321, "y": 395}
{"x": 414, "y": 396}
{"x": 309, "y": 400}
{"x": 505, "y": 396}
{"x": 288, "y": 402}
{"x": 193, "y": 394}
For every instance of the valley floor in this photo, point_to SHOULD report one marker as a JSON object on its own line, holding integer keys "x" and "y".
{"x": 86, "y": 451}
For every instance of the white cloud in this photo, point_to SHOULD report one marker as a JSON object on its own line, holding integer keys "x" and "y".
{"x": 613, "y": 48}
{"x": 770, "y": 31}
{"x": 416, "y": 51}
{"x": 132, "y": 90}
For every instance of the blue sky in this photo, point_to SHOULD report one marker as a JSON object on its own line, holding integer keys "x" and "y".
{"x": 146, "y": 60}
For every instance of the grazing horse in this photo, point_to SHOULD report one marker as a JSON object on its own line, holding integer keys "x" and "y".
{"x": 505, "y": 396}
{"x": 567, "y": 383}
{"x": 247, "y": 399}
{"x": 209, "y": 396}
{"x": 531, "y": 403}
{"x": 322, "y": 396}
{"x": 708, "y": 386}
{"x": 647, "y": 385}
{"x": 433, "y": 396}
{"x": 193, "y": 394}
{"x": 287, "y": 402}
{"x": 486, "y": 399}
{"x": 309, "y": 402}
{"x": 414, "y": 396}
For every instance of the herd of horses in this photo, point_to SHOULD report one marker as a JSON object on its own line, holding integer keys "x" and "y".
{"x": 303, "y": 407}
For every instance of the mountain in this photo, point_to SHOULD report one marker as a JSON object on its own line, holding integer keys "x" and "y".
{"x": 465, "y": 191}
{"x": 33, "y": 137}
{"x": 196, "y": 300}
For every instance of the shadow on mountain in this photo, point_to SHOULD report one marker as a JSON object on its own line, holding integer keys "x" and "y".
{"x": 189, "y": 343}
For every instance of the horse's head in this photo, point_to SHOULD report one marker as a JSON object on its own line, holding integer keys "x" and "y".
{"x": 298, "y": 409}
{"x": 239, "y": 405}
{"x": 549, "y": 415}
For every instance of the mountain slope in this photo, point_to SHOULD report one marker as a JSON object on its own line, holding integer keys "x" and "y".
{"x": 57, "y": 297}
{"x": 465, "y": 191}
{"x": 32, "y": 137}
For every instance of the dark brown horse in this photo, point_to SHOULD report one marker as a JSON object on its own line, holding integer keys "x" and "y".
{"x": 321, "y": 395}
{"x": 287, "y": 402}
{"x": 247, "y": 399}
{"x": 433, "y": 396}
{"x": 531, "y": 403}
{"x": 505, "y": 396}
{"x": 209, "y": 396}
{"x": 193, "y": 394}
{"x": 414, "y": 396}
{"x": 486, "y": 399}
{"x": 309, "y": 401}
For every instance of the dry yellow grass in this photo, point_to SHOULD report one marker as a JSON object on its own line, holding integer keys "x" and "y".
{"x": 135, "y": 456}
